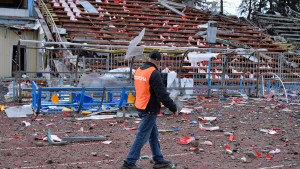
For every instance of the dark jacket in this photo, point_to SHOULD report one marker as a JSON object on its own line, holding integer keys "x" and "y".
{"x": 158, "y": 92}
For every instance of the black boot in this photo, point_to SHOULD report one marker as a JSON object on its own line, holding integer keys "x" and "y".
{"x": 129, "y": 166}
{"x": 162, "y": 164}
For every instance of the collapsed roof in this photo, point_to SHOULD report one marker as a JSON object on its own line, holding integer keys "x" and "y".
{"x": 167, "y": 23}
{"x": 285, "y": 30}
{"x": 22, "y": 23}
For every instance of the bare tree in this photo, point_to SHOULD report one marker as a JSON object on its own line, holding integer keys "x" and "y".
{"x": 247, "y": 7}
{"x": 221, "y": 6}
{"x": 250, "y": 6}
{"x": 261, "y": 5}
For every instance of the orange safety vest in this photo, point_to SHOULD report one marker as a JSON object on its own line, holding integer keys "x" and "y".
{"x": 142, "y": 87}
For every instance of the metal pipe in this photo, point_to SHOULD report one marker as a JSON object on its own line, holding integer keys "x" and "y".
{"x": 180, "y": 68}
{"x": 257, "y": 72}
{"x": 19, "y": 68}
{"x": 84, "y": 138}
{"x": 48, "y": 48}
{"x": 209, "y": 78}
{"x": 131, "y": 66}
{"x": 282, "y": 83}
{"x": 122, "y": 46}
{"x": 76, "y": 70}
{"x": 52, "y": 22}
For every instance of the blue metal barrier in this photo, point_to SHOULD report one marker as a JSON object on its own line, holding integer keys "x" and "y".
{"x": 78, "y": 98}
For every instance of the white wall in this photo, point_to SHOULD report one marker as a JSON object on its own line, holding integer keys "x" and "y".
{"x": 10, "y": 37}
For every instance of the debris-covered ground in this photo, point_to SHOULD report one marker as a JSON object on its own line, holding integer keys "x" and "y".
{"x": 257, "y": 133}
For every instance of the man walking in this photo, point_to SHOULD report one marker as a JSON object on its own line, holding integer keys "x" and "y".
{"x": 150, "y": 93}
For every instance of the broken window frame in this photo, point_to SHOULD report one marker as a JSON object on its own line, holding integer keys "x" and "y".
{"x": 14, "y": 59}
{"x": 16, "y": 4}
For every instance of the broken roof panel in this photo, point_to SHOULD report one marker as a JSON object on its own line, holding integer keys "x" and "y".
{"x": 20, "y": 23}
{"x": 87, "y": 6}
{"x": 284, "y": 26}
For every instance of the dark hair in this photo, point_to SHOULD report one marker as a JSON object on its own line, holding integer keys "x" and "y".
{"x": 155, "y": 55}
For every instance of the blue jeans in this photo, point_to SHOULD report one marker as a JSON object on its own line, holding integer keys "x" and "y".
{"x": 147, "y": 131}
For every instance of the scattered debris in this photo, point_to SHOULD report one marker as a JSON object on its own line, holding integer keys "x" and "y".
{"x": 106, "y": 142}
{"x": 186, "y": 140}
{"x": 231, "y": 138}
{"x": 186, "y": 110}
{"x": 268, "y": 131}
{"x": 39, "y": 144}
{"x": 228, "y": 149}
{"x": 94, "y": 154}
{"x": 54, "y": 140}
{"x": 276, "y": 151}
{"x": 214, "y": 128}
{"x": 269, "y": 157}
{"x": 206, "y": 142}
{"x": 2, "y": 108}
{"x": 26, "y": 124}
{"x": 206, "y": 119}
{"x": 244, "y": 159}
{"x": 19, "y": 111}
{"x": 97, "y": 117}
{"x": 233, "y": 117}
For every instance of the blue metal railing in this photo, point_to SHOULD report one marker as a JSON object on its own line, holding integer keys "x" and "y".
{"x": 78, "y": 98}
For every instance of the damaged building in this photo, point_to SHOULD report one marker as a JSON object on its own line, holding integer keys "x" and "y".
{"x": 18, "y": 21}
{"x": 173, "y": 24}
{"x": 284, "y": 30}
{"x": 69, "y": 101}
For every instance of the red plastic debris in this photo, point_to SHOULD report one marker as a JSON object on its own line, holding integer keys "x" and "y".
{"x": 281, "y": 106}
{"x": 16, "y": 137}
{"x": 238, "y": 99}
{"x": 278, "y": 131}
{"x": 185, "y": 119}
{"x": 205, "y": 99}
{"x": 269, "y": 157}
{"x": 231, "y": 137}
{"x": 66, "y": 114}
{"x": 186, "y": 140}
{"x": 116, "y": 1}
{"x": 183, "y": 17}
{"x": 270, "y": 95}
{"x": 258, "y": 154}
{"x": 227, "y": 147}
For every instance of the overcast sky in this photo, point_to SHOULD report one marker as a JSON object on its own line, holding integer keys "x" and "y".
{"x": 230, "y": 6}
